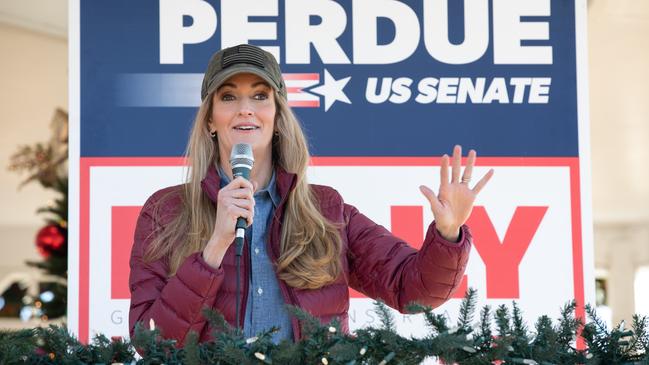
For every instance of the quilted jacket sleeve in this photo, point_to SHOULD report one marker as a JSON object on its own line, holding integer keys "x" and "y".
{"x": 174, "y": 303}
{"x": 384, "y": 267}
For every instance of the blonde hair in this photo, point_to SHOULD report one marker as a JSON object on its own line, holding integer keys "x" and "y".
{"x": 310, "y": 245}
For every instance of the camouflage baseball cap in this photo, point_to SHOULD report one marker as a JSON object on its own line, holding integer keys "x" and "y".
{"x": 241, "y": 59}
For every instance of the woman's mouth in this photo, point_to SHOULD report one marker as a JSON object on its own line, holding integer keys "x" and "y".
{"x": 246, "y": 128}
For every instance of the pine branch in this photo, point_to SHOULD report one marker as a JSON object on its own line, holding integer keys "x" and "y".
{"x": 15, "y": 345}
{"x": 598, "y": 322}
{"x": 287, "y": 352}
{"x": 484, "y": 337}
{"x": 103, "y": 350}
{"x": 192, "y": 349}
{"x": 503, "y": 342}
{"x": 54, "y": 265}
{"x": 641, "y": 329}
{"x": 153, "y": 348}
{"x": 325, "y": 344}
{"x": 219, "y": 324}
{"x": 568, "y": 325}
{"x": 503, "y": 321}
{"x": 436, "y": 322}
{"x": 385, "y": 315}
{"x": 615, "y": 346}
{"x": 309, "y": 324}
{"x": 467, "y": 308}
{"x": 545, "y": 341}
{"x": 519, "y": 332}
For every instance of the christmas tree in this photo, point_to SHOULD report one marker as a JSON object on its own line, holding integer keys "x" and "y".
{"x": 46, "y": 164}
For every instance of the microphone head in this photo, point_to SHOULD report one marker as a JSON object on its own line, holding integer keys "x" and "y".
{"x": 241, "y": 157}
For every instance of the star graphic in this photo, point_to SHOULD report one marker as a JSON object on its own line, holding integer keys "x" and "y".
{"x": 332, "y": 90}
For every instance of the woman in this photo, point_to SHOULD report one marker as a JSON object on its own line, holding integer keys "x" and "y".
{"x": 306, "y": 246}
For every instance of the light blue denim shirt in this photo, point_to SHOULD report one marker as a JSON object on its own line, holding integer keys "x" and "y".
{"x": 265, "y": 306}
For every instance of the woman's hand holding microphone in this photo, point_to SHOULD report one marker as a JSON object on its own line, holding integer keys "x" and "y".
{"x": 234, "y": 200}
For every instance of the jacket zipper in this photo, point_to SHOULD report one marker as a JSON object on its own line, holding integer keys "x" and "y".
{"x": 246, "y": 282}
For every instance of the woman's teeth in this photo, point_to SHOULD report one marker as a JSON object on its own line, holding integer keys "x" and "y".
{"x": 246, "y": 128}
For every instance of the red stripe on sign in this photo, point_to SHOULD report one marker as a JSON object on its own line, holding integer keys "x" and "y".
{"x": 299, "y": 76}
{"x": 293, "y": 90}
{"x": 577, "y": 247}
{"x": 304, "y": 103}
{"x": 122, "y": 231}
{"x": 84, "y": 249}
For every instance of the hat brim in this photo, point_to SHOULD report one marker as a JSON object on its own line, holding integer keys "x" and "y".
{"x": 238, "y": 69}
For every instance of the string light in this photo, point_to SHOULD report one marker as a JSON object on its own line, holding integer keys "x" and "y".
{"x": 387, "y": 358}
{"x": 469, "y": 349}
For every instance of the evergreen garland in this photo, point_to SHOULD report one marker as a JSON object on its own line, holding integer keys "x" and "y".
{"x": 499, "y": 336}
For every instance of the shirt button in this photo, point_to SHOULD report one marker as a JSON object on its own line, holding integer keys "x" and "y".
{"x": 256, "y": 251}
{"x": 260, "y": 291}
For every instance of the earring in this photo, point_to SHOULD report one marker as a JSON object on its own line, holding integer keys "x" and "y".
{"x": 213, "y": 134}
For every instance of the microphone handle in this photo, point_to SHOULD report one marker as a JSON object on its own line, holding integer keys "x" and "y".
{"x": 239, "y": 233}
{"x": 242, "y": 223}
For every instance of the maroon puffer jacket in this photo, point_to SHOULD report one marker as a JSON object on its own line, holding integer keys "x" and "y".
{"x": 375, "y": 263}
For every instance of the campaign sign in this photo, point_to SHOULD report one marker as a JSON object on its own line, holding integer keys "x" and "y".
{"x": 382, "y": 88}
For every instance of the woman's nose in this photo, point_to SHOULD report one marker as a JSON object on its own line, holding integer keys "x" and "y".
{"x": 246, "y": 112}
{"x": 245, "y": 109}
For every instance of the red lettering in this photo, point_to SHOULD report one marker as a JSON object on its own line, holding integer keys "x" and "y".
{"x": 407, "y": 223}
{"x": 123, "y": 221}
{"x": 503, "y": 258}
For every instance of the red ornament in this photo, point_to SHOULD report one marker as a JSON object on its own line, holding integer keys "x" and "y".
{"x": 49, "y": 240}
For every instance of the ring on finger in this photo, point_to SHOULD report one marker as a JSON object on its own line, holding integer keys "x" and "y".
{"x": 465, "y": 180}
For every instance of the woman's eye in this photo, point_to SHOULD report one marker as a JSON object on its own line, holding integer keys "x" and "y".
{"x": 227, "y": 97}
{"x": 261, "y": 96}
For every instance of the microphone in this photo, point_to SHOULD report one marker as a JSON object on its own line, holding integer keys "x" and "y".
{"x": 241, "y": 160}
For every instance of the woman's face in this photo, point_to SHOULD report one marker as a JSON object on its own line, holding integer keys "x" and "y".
{"x": 243, "y": 111}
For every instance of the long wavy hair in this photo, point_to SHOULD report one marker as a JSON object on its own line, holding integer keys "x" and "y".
{"x": 310, "y": 245}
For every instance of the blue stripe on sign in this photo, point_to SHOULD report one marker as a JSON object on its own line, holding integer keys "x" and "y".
{"x": 158, "y": 89}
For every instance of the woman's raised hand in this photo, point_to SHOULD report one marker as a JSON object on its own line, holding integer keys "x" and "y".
{"x": 234, "y": 200}
{"x": 453, "y": 203}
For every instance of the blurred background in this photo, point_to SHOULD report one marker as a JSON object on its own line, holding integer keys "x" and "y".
{"x": 33, "y": 109}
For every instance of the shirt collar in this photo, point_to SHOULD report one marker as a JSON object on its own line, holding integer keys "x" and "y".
{"x": 284, "y": 183}
{"x": 270, "y": 188}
